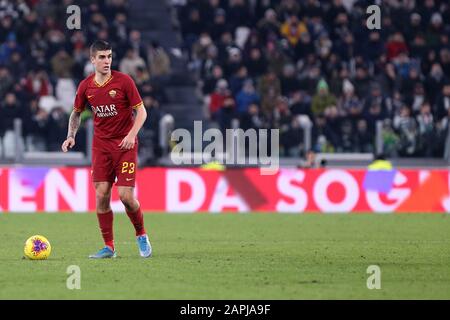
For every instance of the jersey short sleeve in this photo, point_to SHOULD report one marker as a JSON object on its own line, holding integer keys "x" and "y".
{"x": 133, "y": 96}
{"x": 80, "y": 97}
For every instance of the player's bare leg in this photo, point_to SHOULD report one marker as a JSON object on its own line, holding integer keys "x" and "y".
{"x": 126, "y": 195}
{"x": 134, "y": 212}
{"x": 105, "y": 219}
{"x": 103, "y": 196}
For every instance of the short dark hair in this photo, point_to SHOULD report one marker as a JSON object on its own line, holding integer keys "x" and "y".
{"x": 99, "y": 45}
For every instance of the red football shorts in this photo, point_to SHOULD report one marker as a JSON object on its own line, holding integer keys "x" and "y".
{"x": 107, "y": 166}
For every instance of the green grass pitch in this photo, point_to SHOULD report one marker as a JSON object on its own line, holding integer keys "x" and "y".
{"x": 232, "y": 256}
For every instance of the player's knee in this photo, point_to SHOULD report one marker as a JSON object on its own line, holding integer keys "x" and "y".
{"x": 126, "y": 197}
{"x": 103, "y": 197}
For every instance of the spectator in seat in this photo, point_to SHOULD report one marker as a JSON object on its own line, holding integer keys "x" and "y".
{"x": 426, "y": 131}
{"x": 346, "y": 137}
{"x": 435, "y": 29}
{"x": 444, "y": 56}
{"x": 276, "y": 59}
{"x": 375, "y": 46}
{"x": 323, "y": 98}
{"x": 443, "y": 102}
{"x": 256, "y": 63}
{"x": 210, "y": 82}
{"x": 246, "y": 97}
{"x": 287, "y": 8}
{"x": 234, "y": 67}
{"x": 435, "y": 81}
{"x": 252, "y": 118}
{"x": 238, "y": 14}
{"x": 408, "y": 84}
{"x": 334, "y": 123}
{"x": 372, "y": 114}
{"x": 10, "y": 109}
{"x": 6, "y": 80}
{"x": 149, "y": 134}
{"x": 388, "y": 80}
{"x": 209, "y": 62}
{"x": 219, "y": 25}
{"x": 56, "y": 128}
{"x": 269, "y": 24}
{"x": 323, "y": 135}
{"x": 292, "y": 139}
{"x": 34, "y": 127}
{"x": 300, "y": 104}
{"x": 269, "y": 89}
{"x": 390, "y": 139}
{"x": 292, "y": 29}
{"x": 417, "y": 98}
{"x": 442, "y": 132}
{"x": 158, "y": 60}
{"x": 142, "y": 76}
{"x": 289, "y": 82}
{"x": 17, "y": 64}
{"x": 8, "y": 48}
{"x": 282, "y": 114}
{"x": 62, "y": 64}
{"x": 361, "y": 81}
{"x": 217, "y": 98}
{"x": 131, "y": 62}
{"x": 135, "y": 42}
{"x": 37, "y": 83}
{"x": 349, "y": 104}
{"x": 364, "y": 140}
{"x": 395, "y": 45}
{"x": 238, "y": 79}
{"x": 226, "y": 114}
{"x": 407, "y": 130}
{"x": 419, "y": 47}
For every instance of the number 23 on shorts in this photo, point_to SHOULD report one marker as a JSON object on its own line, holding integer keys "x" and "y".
{"x": 127, "y": 167}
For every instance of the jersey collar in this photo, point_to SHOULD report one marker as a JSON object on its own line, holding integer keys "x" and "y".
{"x": 104, "y": 83}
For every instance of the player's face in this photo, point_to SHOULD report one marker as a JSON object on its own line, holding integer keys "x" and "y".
{"x": 102, "y": 61}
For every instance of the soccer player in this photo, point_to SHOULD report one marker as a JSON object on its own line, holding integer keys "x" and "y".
{"x": 113, "y": 97}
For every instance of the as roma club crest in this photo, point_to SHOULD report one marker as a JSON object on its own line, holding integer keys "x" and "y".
{"x": 112, "y": 93}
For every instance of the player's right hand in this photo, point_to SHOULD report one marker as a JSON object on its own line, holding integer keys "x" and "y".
{"x": 68, "y": 143}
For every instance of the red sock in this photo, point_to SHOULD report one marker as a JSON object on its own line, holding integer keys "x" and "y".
{"x": 137, "y": 219}
{"x": 105, "y": 221}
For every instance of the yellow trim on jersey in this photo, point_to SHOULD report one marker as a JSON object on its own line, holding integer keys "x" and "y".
{"x": 77, "y": 109}
{"x": 104, "y": 83}
{"x": 138, "y": 105}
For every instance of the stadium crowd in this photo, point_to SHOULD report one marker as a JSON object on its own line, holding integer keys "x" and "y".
{"x": 269, "y": 63}
{"x": 286, "y": 63}
{"x": 42, "y": 61}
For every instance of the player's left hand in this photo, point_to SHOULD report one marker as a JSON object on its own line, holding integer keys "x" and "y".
{"x": 127, "y": 142}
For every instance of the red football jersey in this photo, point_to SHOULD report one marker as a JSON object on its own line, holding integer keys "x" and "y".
{"x": 112, "y": 104}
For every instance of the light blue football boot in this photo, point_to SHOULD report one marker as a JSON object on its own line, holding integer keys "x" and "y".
{"x": 145, "y": 248}
{"x": 104, "y": 253}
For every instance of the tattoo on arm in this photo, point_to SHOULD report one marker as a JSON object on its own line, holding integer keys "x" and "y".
{"x": 74, "y": 124}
